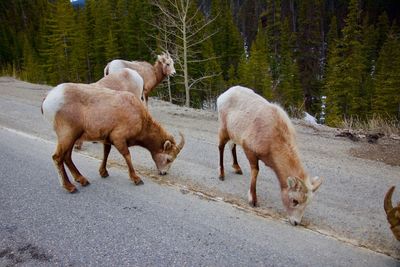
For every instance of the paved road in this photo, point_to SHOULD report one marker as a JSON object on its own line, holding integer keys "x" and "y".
{"x": 347, "y": 207}
{"x": 114, "y": 223}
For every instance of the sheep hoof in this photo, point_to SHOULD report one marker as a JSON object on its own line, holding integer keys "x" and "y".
{"x": 85, "y": 183}
{"x": 238, "y": 171}
{"x": 72, "y": 190}
{"x": 254, "y": 204}
{"x": 222, "y": 177}
{"x": 104, "y": 173}
{"x": 140, "y": 182}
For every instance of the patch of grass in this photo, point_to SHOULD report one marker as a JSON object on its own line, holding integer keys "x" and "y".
{"x": 376, "y": 124}
{"x": 296, "y": 112}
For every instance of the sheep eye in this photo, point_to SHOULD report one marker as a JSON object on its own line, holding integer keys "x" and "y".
{"x": 167, "y": 64}
{"x": 169, "y": 161}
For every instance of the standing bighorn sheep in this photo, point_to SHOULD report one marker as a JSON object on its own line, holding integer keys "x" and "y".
{"x": 392, "y": 213}
{"x": 265, "y": 133}
{"x": 88, "y": 112}
{"x": 152, "y": 75}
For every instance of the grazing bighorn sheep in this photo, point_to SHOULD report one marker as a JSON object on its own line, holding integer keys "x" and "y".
{"x": 393, "y": 214}
{"x": 152, "y": 75}
{"x": 265, "y": 133}
{"x": 113, "y": 117}
{"x": 123, "y": 80}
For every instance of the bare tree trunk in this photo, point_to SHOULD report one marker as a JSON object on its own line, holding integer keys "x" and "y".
{"x": 185, "y": 67}
{"x": 169, "y": 90}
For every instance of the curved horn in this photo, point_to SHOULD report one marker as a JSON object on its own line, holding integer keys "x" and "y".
{"x": 387, "y": 204}
{"x": 316, "y": 183}
{"x": 182, "y": 142}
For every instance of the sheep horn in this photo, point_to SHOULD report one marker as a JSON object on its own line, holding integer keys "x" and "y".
{"x": 388, "y": 200}
{"x": 182, "y": 142}
{"x": 316, "y": 183}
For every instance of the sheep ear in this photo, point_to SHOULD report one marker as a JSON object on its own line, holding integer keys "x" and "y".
{"x": 159, "y": 57}
{"x": 167, "y": 145}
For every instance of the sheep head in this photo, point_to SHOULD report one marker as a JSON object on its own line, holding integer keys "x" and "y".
{"x": 165, "y": 156}
{"x": 298, "y": 195}
{"x": 167, "y": 63}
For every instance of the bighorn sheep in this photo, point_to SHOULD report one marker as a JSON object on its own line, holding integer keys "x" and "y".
{"x": 265, "y": 133}
{"x": 152, "y": 75}
{"x": 393, "y": 214}
{"x": 123, "y": 80}
{"x": 113, "y": 117}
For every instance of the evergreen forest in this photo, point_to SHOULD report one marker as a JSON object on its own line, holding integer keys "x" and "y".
{"x": 336, "y": 59}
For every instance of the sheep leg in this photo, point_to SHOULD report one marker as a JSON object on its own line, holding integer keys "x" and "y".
{"x": 103, "y": 167}
{"x": 78, "y": 144}
{"x": 74, "y": 171}
{"x": 235, "y": 164}
{"x": 123, "y": 149}
{"x": 58, "y": 159}
{"x": 253, "y": 160}
{"x": 223, "y": 139}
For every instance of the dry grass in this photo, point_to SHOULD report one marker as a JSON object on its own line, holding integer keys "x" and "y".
{"x": 376, "y": 124}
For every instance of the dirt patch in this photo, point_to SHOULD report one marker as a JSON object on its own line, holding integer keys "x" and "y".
{"x": 387, "y": 151}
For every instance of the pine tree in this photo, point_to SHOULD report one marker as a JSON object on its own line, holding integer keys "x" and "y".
{"x": 309, "y": 55}
{"x": 111, "y": 47}
{"x": 139, "y": 34}
{"x": 273, "y": 27}
{"x": 103, "y": 23}
{"x": 353, "y": 66}
{"x": 255, "y": 71}
{"x": 346, "y": 94}
{"x": 332, "y": 89}
{"x": 288, "y": 92}
{"x": 215, "y": 85}
{"x": 227, "y": 42}
{"x": 58, "y": 36}
{"x": 386, "y": 100}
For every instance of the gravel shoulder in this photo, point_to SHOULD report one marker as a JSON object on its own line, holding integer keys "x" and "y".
{"x": 347, "y": 207}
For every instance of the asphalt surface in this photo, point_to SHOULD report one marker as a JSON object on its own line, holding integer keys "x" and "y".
{"x": 347, "y": 207}
{"x": 114, "y": 223}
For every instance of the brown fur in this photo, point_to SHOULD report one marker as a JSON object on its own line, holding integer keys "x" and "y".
{"x": 115, "y": 118}
{"x": 119, "y": 81}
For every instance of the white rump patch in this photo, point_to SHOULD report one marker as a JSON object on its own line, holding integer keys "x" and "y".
{"x": 53, "y": 102}
{"x": 116, "y": 65}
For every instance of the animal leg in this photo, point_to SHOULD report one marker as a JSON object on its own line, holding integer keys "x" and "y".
{"x": 235, "y": 164}
{"x": 103, "y": 167}
{"x": 123, "y": 149}
{"x": 59, "y": 157}
{"x": 74, "y": 171}
{"x": 253, "y": 160}
{"x": 78, "y": 144}
{"x": 223, "y": 139}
